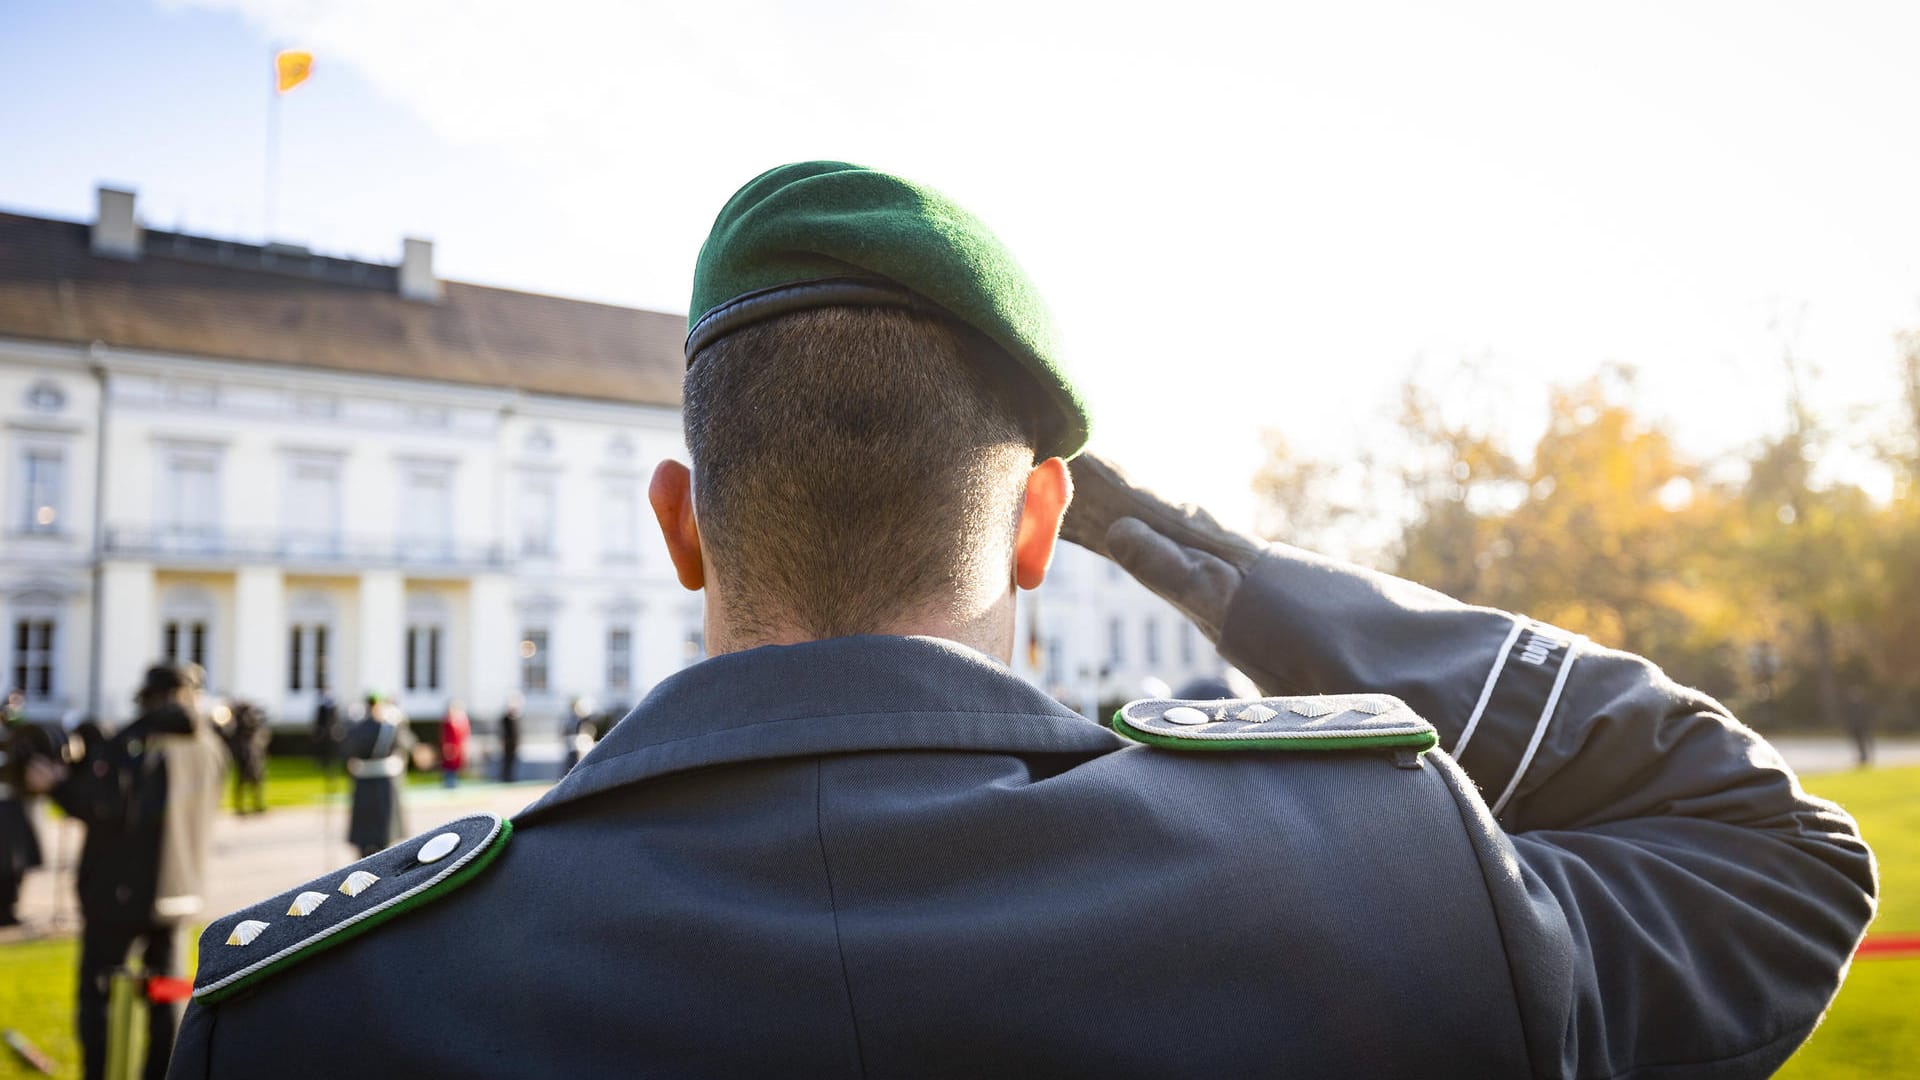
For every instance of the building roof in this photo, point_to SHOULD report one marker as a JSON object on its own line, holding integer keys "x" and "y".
{"x": 281, "y": 305}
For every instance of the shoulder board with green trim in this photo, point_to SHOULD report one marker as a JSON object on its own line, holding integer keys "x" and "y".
{"x": 1332, "y": 722}
{"x": 241, "y": 949}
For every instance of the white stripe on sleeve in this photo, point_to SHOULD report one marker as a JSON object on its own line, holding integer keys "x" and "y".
{"x": 1486, "y": 692}
{"x": 1540, "y": 728}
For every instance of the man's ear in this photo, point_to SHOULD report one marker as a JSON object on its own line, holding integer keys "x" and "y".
{"x": 671, "y": 494}
{"x": 1049, "y": 490}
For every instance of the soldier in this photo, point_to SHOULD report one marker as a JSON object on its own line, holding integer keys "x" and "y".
{"x": 327, "y": 732}
{"x": 577, "y": 733}
{"x": 510, "y": 738}
{"x": 21, "y": 741}
{"x": 377, "y": 748}
{"x": 248, "y": 736}
{"x": 852, "y": 842}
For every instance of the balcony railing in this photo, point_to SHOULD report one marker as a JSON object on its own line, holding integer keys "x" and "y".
{"x": 204, "y": 545}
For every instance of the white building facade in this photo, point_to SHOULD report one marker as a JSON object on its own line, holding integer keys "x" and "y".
{"x": 307, "y": 474}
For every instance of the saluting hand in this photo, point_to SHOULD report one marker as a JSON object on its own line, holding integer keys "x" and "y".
{"x": 1178, "y": 551}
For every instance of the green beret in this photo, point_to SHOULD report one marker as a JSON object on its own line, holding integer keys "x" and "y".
{"x": 828, "y": 234}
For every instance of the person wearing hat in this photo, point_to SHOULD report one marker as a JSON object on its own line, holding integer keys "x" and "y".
{"x": 21, "y": 741}
{"x": 852, "y": 842}
{"x": 148, "y": 796}
{"x": 377, "y": 748}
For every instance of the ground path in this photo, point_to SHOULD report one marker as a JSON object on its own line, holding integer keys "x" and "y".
{"x": 253, "y": 856}
{"x": 1810, "y": 754}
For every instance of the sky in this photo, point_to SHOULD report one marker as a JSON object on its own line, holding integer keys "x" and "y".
{"x": 1246, "y": 217}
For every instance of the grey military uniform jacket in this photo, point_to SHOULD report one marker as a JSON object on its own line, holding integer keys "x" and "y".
{"x": 890, "y": 857}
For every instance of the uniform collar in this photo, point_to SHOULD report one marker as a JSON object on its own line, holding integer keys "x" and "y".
{"x": 842, "y": 695}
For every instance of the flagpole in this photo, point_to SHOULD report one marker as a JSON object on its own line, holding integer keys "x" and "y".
{"x": 273, "y": 139}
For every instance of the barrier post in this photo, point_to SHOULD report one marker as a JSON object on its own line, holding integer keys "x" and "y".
{"x": 126, "y": 1025}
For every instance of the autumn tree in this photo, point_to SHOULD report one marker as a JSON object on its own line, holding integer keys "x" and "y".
{"x": 1778, "y": 591}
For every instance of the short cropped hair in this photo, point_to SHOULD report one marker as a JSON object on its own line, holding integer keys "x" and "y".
{"x": 853, "y": 466}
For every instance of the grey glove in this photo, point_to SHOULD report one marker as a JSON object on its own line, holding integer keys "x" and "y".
{"x": 1179, "y": 552}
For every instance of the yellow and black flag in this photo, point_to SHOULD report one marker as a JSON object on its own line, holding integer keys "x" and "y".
{"x": 291, "y": 68}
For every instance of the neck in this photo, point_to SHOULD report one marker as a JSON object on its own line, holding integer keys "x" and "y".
{"x": 986, "y": 629}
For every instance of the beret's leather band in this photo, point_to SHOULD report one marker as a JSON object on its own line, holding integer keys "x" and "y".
{"x": 763, "y": 304}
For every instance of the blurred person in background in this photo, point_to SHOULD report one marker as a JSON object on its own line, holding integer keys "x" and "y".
{"x": 1205, "y": 688}
{"x": 247, "y": 736}
{"x": 456, "y": 732}
{"x": 578, "y": 732}
{"x": 21, "y": 741}
{"x": 327, "y": 731}
{"x": 377, "y": 748}
{"x": 510, "y": 737}
{"x": 147, "y": 795}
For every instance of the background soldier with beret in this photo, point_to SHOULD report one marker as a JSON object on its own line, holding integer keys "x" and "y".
{"x": 853, "y": 843}
{"x": 376, "y": 748}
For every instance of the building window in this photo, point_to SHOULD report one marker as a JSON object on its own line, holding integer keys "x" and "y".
{"x": 1153, "y": 641}
{"x": 620, "y": 524}
{"x": 33, "y": 657}
{"x": 1187, "y": 634}
{"x": 536, "y": 515}
{"x": 184, "y": 641}
{"x": 426, "y": 509}
{"x": 186, "y": 628}
{"x": 533, "y": 661}
{"x": 313, "y": 506}
{"x": 307, "y": 656}
{"x": 44, "y": 476}
{"x": 190, "y": 495}
{"x": 1116, "y": 641}
{"x": 620, "y": 658}
{"x": 423, "y": 657}
{"x": 1056, "y": 670}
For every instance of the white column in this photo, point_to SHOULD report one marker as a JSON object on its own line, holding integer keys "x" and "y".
{"x": 380, "y": 633}
{"x": 493, "y": 662}
{"x": 129, "y": 636}
{"x": 260, "y": 637}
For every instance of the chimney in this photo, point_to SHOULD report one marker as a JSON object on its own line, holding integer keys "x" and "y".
{"x": 416, "y": 271}
{"x": 116, "y": 232}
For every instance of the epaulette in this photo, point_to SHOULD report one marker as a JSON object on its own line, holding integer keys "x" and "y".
{"x": 1331, "y": 722}
{"x": 239, "y": 950}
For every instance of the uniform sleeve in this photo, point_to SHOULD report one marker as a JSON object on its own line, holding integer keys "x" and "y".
{"x": 1671, "y": 898}
{"x": 193, "y": 1045}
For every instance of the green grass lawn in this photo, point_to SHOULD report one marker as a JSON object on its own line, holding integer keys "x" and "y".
{"x": 297, "y": 781}
{"x": 1886, "y": 802}
{"x": 36, "y": 999}
{"x": 1872, "y": 1031}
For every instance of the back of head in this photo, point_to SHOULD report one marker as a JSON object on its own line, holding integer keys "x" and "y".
{"x": 854, "y": 467}
{"x": 166, "y": 694}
